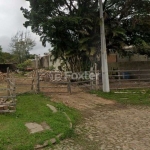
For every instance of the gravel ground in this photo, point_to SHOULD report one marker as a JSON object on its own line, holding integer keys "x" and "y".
{"x": 111, "y": 128}
{"x": 106, "y": 125}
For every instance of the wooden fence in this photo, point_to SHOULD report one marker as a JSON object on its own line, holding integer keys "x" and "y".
{"x": 58, "y": 82}
{"x": 8, "y": 99}
{"x": 119, "y": 79}
{"x": 127, "y": 79}
{"x": 53, "y": 82}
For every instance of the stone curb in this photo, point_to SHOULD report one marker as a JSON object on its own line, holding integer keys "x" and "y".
{"x": 70, "y": 123}
{"x": 52, "y": 141}
{"x": 54, "y": 110}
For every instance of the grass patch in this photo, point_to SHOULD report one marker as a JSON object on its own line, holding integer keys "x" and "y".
{"x": 32, "y": 108}
{"x": 132, "y": 96}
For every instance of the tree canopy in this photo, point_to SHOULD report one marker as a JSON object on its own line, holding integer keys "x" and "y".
{"x": 20, "y": 46}
{"x": 72, "y": 27}
{"x": 5, "y": 57}
{"x": 129, "y": 22}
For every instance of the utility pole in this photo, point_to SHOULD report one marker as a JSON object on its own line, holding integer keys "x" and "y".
{"x": 105, "y": 77}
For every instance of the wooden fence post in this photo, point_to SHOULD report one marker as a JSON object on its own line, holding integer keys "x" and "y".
{"x": 69, "y": 85}
{"x": 36, "y": 62}
{"x": 14, "y": 88}
{"x": 96, "y": 77}
{"x": 91, "y": 80}
{"x": 36, "y": 76}
{"x": 32, "y": 83}
{"x": 37, "y": 82}
{"x": 8, "y": 83}
{"x": 119, "y": 77}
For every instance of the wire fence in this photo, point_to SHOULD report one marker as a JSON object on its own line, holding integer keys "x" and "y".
{"x": 125, "y": 79}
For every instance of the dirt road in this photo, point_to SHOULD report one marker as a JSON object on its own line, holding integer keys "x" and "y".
{"x": 106, "y": 125}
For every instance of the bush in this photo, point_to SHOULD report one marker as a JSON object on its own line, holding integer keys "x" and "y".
{"x": 23, "y": 66}
{"x": 51, "y": 68}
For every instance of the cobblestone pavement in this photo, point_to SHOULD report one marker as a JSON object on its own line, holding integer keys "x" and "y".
{"x": 111, "y": 127}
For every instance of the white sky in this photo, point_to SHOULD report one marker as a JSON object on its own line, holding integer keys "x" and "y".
{"x": 11, "y": 21}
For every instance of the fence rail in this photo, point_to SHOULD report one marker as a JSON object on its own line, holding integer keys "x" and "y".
{"x": 124, "y": 79}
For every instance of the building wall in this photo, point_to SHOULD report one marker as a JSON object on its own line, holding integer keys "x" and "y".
{"x": 46, "y": 62}
{"x": 112, "y": 58}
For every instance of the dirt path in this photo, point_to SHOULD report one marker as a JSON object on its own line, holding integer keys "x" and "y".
{"x": 81, "y": 100}
{"x": 106, "y": 125}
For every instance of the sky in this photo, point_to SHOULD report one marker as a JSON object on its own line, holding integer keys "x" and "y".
{"x": 11, "y": 21}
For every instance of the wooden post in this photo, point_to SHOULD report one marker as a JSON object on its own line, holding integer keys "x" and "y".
{"x": 91, "y": 80}
{"x": 14, "y": 91}
{"x": 32, "y": 82}
{"x": 8, "y": 83}
{"x": 37, "y": 82}
{"x": 36, "y": 62}
{"x": 96, "y": 77}
{"x": 119, "y": 82}
{"x": 14, "y": 87}
{"x": 69, "y": 85}
{"x": 139, "y": 77}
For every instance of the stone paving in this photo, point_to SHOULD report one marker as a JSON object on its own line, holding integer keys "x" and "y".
{"x": 34, "y": 127}
{"x": 111, "y": 127}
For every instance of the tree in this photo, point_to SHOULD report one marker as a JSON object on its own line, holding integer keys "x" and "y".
{"x": 6, "y": 57}
{"x": 20, "y": 46}
{"x": 127, "y": 23}
{"x": 63, "y": 29}
{"x": 23, "y": 66}
{"x": 72, "y": 26}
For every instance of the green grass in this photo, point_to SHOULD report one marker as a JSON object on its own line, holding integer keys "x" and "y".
{"x": 132, "y": 96}
{"x": 32, "y": 108}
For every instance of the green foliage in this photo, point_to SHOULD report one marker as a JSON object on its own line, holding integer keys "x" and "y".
{"x": 32, "y": 108}
{"x": 24, "y": 65}
{"x": 20, "y": 46}
{"x": 127, "y": 23}
{"x": 51, "y": 68}
{"x": 6, "y": 57}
